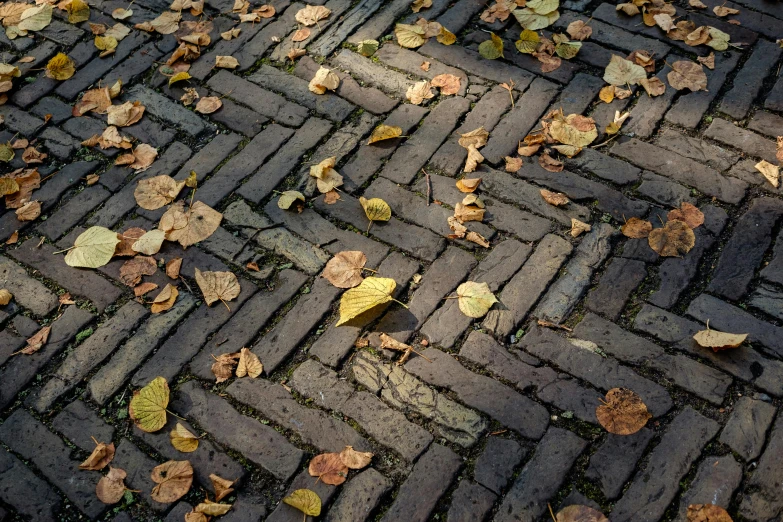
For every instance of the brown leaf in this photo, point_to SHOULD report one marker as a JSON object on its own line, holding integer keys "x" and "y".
{"x": 154, "y": 193}
{"x": 249, "y": 364}
{"x": 133, "y": 269}
{"x": 644, "y": 59}
{"x": 475, "y": 237}
{"x": 37, "y": 341}
{"x": 448, "y": 83}
{"x": 190, "y": 227}
{"x": 465, "y": 213}
{"x": 173, "y": 479}
{"x": 92, "y": 179}
{"x": 579, "y": 30}
{"x": 636, "y": 228}
{"x": 513, "y": 164}
{"x": 208, "y": 104}
{"x": 344, "y": 270}
{"x": 223, "y": 367}
{"x": 65, "y": 299}
{"x": 27, "y": 180}
{"x": 654, "y": 86}
{"x": 468, "y": 185}
{"x": 29, "y": 211}
{"x": 126, "y": 114}
{"x": 144, "y": 155}
{"x": 528, "y": 150}
{"x": 687, "y": 213}
{"x": 549, "y": 63}
{"x": 555, "y": 198}
{"x": 707, "y": 61}
{"x": 687, "y": 75}
{"x": 192, "y": 516}
{"x": 779, "y": 151}
{"x": 144, "y": 288}
{"x": 165, "y": 299}
{"x": 355, "y": 459}
{"x": 111, "y": 488}
{"x": 425, "y": 66}
{"x": 580, "y": 514}
{"x": 221, "y": 486}
{"x": 127, "y": 239}
{"x": 212, "y": 509}
{"x": 698, "y": 4}
{"x": 547, "y": 162}
{"x": 13, "y": 238}
{"x": 675, "y": 239}
{"x": 100, "y": 457}
{"x": 578, "y": 227}
{"x": 721, "y": 11}
{"x": 419, "y": 92}
{"x": 718, "y": 340}
{"x": 217, "y": 286}
{"x": 311, "y": 14}
{"x": 301, "y": 34}
{"x": 707, "y": 513}
{"x": 173, "y": 267}
{"x": 623, "y": 412}
{"x": 329, "y": 468}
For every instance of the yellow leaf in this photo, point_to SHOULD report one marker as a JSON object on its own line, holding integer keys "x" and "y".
{"x": 60, "y": 67}
{"x": 491, "y": 49}
{"x": 542, "y": 7}
{"x": 226, "y": 62}
{"x": 409, "y": 36}
{"x": 306, "y": 501}
{"x": 533, "y": 21}
{"x": 621, "y": 71}
{"x": 375, "y": 209}
{"x": 528, "y": 42}
{"x": 93, "y": 248}
{"x": 475, "y": 299}
{"x": 446, "y": 37}
{"x": 5, "y": 297}
{"x": 150, "y": 242}
{"x": 183, "y": 440}
{"x": 179, "y": 77}
{"x": 384, "y": 132}
{"x": 78, "y": 11}
{"x": 148, "y": 405}
{"x": 249, "y": 364}
{"x": 367, "y": 47}
{"x": 212, "y": 509}
{"x": 718, "y": 340}
{"x": 373, "y": 291}
{"x": 770, "y": 172}
{"x": 288, "y": 198}
{"x": 575, "y": 130}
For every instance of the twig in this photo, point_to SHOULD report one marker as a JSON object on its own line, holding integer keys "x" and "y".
{"x": 549, "y": 324}
{"x": 429, "y": 189}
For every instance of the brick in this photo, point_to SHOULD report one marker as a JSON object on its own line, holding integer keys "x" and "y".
{"x": 676, "y": 275}
{"x": 285, "y": 513}
{"x": 447, "y": 324}
{"x": 602, "y": 373}
{"x": 562, "y": 74}
{"x": 21, "y": 489}
{"x": 520, "y": 120}
{"x": 42, "y": 52}
{"x": 360, "y": 496}
{"x": 124, "y": 361}
{"x": 524, "y": 289}
{"x": 578, "y": 94}
{"x": 771, "y": 271}
{"x": 138, "y": 467}
{"x": 264, "y": 102}
{"x": 494, "y": 468}
{"x": 385, "y": 425}
{"x": 747, "y": 426}
{"x": 247, "y": 321}
{"x": 768, "y": 300}
{"x": 716, "y": 480}
{"x": 405, "y": 392}
{"x": 774, "y": 100}
{"x": 27, "y": 292}
{"x": 765, "y": 503}
{"x": 21, "y": 122}
{"x": 130, "y": 70}
{"x": 457, "y": 17}
{"x": 664, "y": 191}
{"x": 313, "y": 426}
{"x": 370, "y": 73}
{"x": 613, "y": 36}
{"x": 657, "y": 485}
{"x": 378, "y": 25}
{"x": 79, "y": 424}
{"x": 205, "y": 161}
{"x": 750, "y": 80}
{"x": 60, "y": 111}
{"x": 69, "y": 214}
{"x": 681, "y": 169}
{"x": 413, "y": 154}
{"x": 649, "y": 111}
{"x": 748, "y": 142}
{"x": 261, "y": 184}
{"x": 33, "y": 441}
{"x": 487, "y": 395}
{"x": 743, "y": 253}
{"x": 252, "y": 49}
{"x": 616, "y": 461}
{"x": 409, "y": 61}
{"x": 261, "y": 444}
{"x": 338, "y": 9}
{"x": 168, "y": 110}
{"x": 429, "y": 480}
{"x": 696, "y": 149}
{"x": 227, "y": 246}
{"x": 470, "y": 502}
{"x": 766, "y": 123}
{"x": 244, "y": 163}
{"x": 58, "y": 142}
{"x": 415, "y": 240}
{"x": 331, "y": 39}
{"x": 542, "y": 476}
{"x": 614, "y": 288}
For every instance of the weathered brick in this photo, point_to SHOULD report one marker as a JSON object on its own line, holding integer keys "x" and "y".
{"x": 470, "y": 502}
{"x": 664, "y": 191}
{"x": 380, "y": 22}
{"x": 495, "y": 466}
{"x": 20, "y": 121}
{"x": 373, "y": 74}
{"x": 747, "y": 426}
{"x": 285, "y": 513}
{"x": 614, "y": 288}
{"x": 79, "y": 424}
{"x": 73, "y": 211}
{"x": 21, "y": 489}
{"x": 774, "y": 100}
{"x": 737, "y": 137}
{"x": 252, "y": 49}
{"x": 716, "y": 480}
{"x": 359, "y": 497}
{"x": 616, "y": 461}
{"x": 410, "y": 61}
{"x": 607, "y": 34}
{"x": 766, "y": 503}
{"x": 750, "y": 80}
{"x": 168, "y": 110}
{"x": 696, "y": 149}
{"x": 767, "y": 299}
{"x": 27, "y": 292}
{"x": 649, "y": 111}
{"x": 50, "y": 105}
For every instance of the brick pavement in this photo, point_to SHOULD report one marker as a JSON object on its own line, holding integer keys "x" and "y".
{"x": 499, "y": 420}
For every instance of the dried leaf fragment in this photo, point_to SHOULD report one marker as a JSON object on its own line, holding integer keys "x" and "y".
{"x": 557, "y": 199}
{"x": 29, "y": 211}
{"x": 344, "y": 270}
{"x": 329, "y": 468}
{"x": 355, "y": 459}
{"x": 636, "y": 228}
{"x": 5, "y": 297}
{"x": 448, "y": 83}
{"x": 468, "y": 185}
{"x": 165, "y": 299}
{"x": 675, "y": 239}
{"x": 111, "y": 487}
{"x": 580, "y": 514}
{"x": 226, "y": 62}
{"x": 37, "y": 341}
{"x": 623, "y": 412}
{"x": 223, "y": 367}
{"x": 770, "y": 172}
{"x": 221, "y": 486}
{"x": 419, "y": 92}
{"x": 173, "y": 267}
{"x": 579, "y": 227}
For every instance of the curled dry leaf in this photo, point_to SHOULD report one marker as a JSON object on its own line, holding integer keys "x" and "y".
{"x": 164, "y": 300}
{"x": 212, "y": 509}
{"x": 355, "y": 459}
{"x": 29, "y": 211}
{"x": 580, "y": 514}
{"x": 311, "y": 14}
{"x": 384, "y": 132}
{"x": 578, "y": 227}
{"x": 226, "y": 62}
{"x": 687, "y": 75}
{"x": 5, "y": 297}
{"x": 557, "y": 199}
{"x": 687, "y": 213}
{"x": 173, "y": 479}
{"x": 208, "y": 105}
{"x": 154, "y": 193}
{"x": 722, "y": 11}
{"x": 463, "y": 212}
{"x": 111, "y": 488}
{"x": 468, "y": 185}
{"x": 127, "y": 239}
{"x": 675, "y": 239}
{"x": 513, "y": 164}
{"x": 473, "y": 159}
{"x": 148, "y": 405}
{"x": 37, "y": 341}
{"x": 301, "y": 35}
{"x": 707, "y": 513}
{"x": 217, "y": 286}
{"x": 306, "y": 501}
{"x": 249, "y": 364}
{"x": 60, "y": 67}
{"x": 173, "y": 267}
{"x": 418, "y": 92}
{"x": 371, "y": 292}
{"x": 291, "y": 197}
{"x": 183, "y": 440}
{"x": 344, "y": 270}
{"x": 623, "y": 412}
{"x": 654, "y": 86}
{"x": 707, "y": 61}
{"x": 93, "y": 248}
{"x": 223, "y": 367}
{"x": 221, "y": 486}
{"x": 100, "y": 457}
{"x": 636, "y": 228}
{"x": 418, "y": 5}
{"x": 718, "y": 340}
{"x": 476, "y": 138}
{"x": 575, "y": 130}
{"x": 475, "y": 237}
{"x": 143, "y": 157}
{"x": 231, "y": 33}
{"x": 144, "y": 288}
{"x": 475, "y": 299}
{"x": 549, "y": 163}
{"x": 133, "y": 269}
{"x": 329, "y": 468}
{"x": 126, "y": 114}
{"x": 448, "y": 83}
{"x": 770, "y": 172}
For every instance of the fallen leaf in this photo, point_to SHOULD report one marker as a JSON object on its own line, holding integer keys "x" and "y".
{"x": 290, "y": 197}
{"x": 513, "y": 164}
{"x": 468, "y": 185}
{"x": 418, "y": 92}
{"x": 344, "y": 270}
{"x": 133, "y": 269}
{"x": 93, "y": 248}
{"x": 718, "y": 340}
{"x": 621, "y": 72}
{"x": 144, "y": 288}
{"x": 111, "y": 487}
{"x": 324, "y": 79}
{"x": 13, "y": 238}
{"x": 212, "y": 509}
{"x": 721, "y": 11}
{"x": 556, "y": 199}
{"x": 150, "y": 242}
{"x": 165, "y": 299}
{"x": 448, "y": 83}
{"x": 473, "y": 159}
{"x": 707, "y": 61}
{"x": 188, "y": 228}
{"x": 636, "y": 228}
{"x": 409, "y": 36}
{"x": 580, "y": 514}
{"x": 465, "y": 213}
{"x": 476, "y": 138}
{"x": 550, "y": 164}
{"x": 221, "y": 486}
{"x": 654, "y": 86}
{"x": 384, "y": 132}
{"x": 8, "y": 186}
{"x": 355, "y": 459}
{"x": 226, "y": 62}
{"x": 311, "y": 14}
{"x": 623, "y": 412}
{"x": 183, "y": 440}
{"x": 779, "y": 147}
{"x": 27, "y": 181}
{"x": 127, "y": 238}
{"x": 121, "y": 14}
{"x": 32, "y": 156}
{"x": 5, "y": 297}
{"x": 217, "y": 286}
{"x": 475, "y": 299}
{"x": 144, "y": 155}
{"x": 770, "y": 172}
{"x": 156, "y": 192}
{"x": 578, "y": 227}
{"x": 367, "y": 47}
{"x": 29, "y": 211}
{"x": 491, "y": 49}
{"x": 418, "y": 5}
{"x": 687, "y": 75}
{"x": 475, "y": 237}
{"x": 179, "y": 77}
{"x": 60, "y": 67}
{"x": 532, "y": 20}
{"x": 167, "y": 22}
{"x": 36, "y": 18}
{"x": 306, "y": 501}
{"x": 687, "y": 213}
{"x": 208, "y": 105}
{"x": 371, "y": 292}
{"x": 231, "y": 33}
{"x": 266, "y": 11}
{"x": 249, "y": 364}
{"x": 173, "y": 267}
{"x": 375, "y": 209}
{"x": 148, "y": 406}
{"x": 329, "y": 468}
{"x": 100, "y": 457}
{"x": 37, "y": 341}
{"x": 173, "y": 479}
{"x": 697, "y": 4}
{"x": 301, "y": 35}
{"x": 675, "y": 239}
{"x": 579, "y": 30}
{"x": 223, "y": 367}
{"x": 707, "y": 513}
{"x": 576, "y": 130}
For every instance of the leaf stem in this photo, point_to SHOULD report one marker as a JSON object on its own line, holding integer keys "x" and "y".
{"x": 400, "y": 303}
{"x": 177, "y": 416}
{"x": 66, "y": 250}
{"x": 222, "y": 301}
